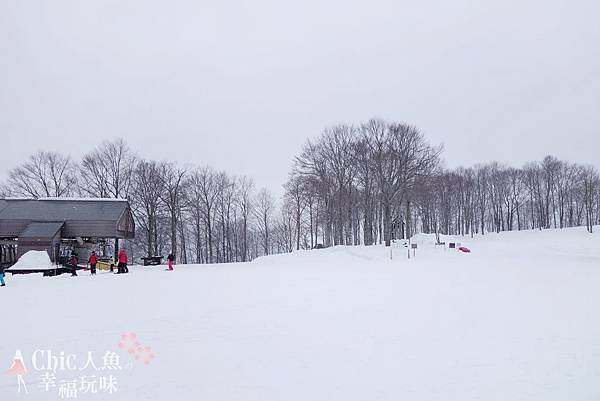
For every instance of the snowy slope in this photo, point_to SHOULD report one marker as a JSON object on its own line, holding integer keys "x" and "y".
{"x": 517, "y": 319}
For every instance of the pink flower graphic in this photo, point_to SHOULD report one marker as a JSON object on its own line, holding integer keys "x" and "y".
{"x": 130, "y": 343}
{"x": 144, "y": 354}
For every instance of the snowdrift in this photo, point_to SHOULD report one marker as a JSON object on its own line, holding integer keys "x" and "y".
{"x": 429, "y": 240}
{"x": 33, "y": 260}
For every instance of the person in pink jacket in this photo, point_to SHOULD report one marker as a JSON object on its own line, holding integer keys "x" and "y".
{"x": 170, "y": 261}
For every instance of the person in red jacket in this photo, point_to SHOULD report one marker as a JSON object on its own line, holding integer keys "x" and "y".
{"x": 92, "y": 261}
{"x": 122, "y": 262}
{"x": 73, "y": 263}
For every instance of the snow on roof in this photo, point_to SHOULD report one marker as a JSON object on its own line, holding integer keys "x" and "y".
{"x": 28, "y": 198}
{"x": 84, "y": 199}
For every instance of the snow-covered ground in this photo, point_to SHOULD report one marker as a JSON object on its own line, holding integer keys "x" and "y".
{"x": 517, "y": 319}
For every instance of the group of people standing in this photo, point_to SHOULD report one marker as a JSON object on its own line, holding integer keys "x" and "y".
{"x": 122, "y": 261}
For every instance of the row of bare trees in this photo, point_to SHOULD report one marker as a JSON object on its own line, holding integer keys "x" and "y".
{"x": 494, "y": 197}
{"x": 376, "y": 181}
{"x": 355, "y": 184}
{"x": 199, "y": 214}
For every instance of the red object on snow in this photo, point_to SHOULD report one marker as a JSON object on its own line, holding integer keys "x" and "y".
{"x": 464, "y": 249}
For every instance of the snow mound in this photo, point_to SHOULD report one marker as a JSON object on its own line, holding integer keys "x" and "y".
{"x": 346, "y": 255}
{"x": 33, "y": 260}
{"x": 430, "y": 239}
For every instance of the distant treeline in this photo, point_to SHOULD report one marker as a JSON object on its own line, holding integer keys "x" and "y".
{"x": 199, "y": 214}
{"x": 376, "y": 181}
{"x": 355, "y": 184}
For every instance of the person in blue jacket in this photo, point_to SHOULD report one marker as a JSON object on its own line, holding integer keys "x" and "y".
{"x": 2, "y": 283}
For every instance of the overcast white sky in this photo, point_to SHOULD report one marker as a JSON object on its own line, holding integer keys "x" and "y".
{"x": 240, "y": 85}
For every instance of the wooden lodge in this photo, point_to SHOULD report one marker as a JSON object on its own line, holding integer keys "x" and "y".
{"x": 43, "y": 224}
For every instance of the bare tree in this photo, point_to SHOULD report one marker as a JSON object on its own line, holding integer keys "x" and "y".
{"x": 401, "y": 156}
{"x": 108, "y": 172}
{"x": 295, "y": 200}
{"x": 265, "y": 205}
{"x": 4, "y": 191}
{"x": 591, "y": 183}
{"x": 45, "y": 174}
{"x": 148, "y": 187}
{"x": 204, "y": 190}
{"x": 172, "y": 198}
{"x": 246, "y": 205}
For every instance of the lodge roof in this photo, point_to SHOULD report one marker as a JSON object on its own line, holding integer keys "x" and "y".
{"x": 73, "y": 217}
{"x": 39, "y": 229}
{"x": 62, "y": 209}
